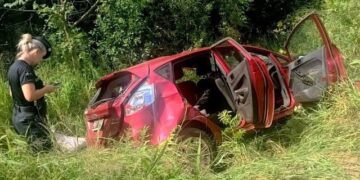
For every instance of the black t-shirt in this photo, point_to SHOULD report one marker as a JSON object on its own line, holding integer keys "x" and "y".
{"x": 21, "y": 73}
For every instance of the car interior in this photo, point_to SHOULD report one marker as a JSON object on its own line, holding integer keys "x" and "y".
{"x": 282, "y": 99}
{"x": 111, "y": 88}
{"x": 305, "y": 75}
{"x": 195, "y": 78}
{"x": 194, "y": 75}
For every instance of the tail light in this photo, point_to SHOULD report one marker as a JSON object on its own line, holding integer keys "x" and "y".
{"x": 143, "y": 97}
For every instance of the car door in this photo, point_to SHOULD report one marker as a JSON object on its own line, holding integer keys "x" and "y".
{"x": 248, "y": 81}
{"x": 315, "y": 61}
{"x": 166, "y": 117}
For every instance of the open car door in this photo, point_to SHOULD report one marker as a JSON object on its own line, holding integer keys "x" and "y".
{"x": 315, "y": 61}
{"x": 249, "y": 84}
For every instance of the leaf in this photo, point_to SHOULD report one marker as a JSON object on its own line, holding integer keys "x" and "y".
{"x": 3, "y": 137}
{"x": 15, "y": 3}
{"x": 355, "y": 62}
{"x": 13, "y": 163}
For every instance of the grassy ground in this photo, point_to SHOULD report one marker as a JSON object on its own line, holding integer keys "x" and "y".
{"x": 319, "y": 142}
{"x": 315, "y": 143}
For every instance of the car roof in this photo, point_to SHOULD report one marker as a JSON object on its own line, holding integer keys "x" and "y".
{"x": 142, "y": 69}
{"x": 159, "y": 61}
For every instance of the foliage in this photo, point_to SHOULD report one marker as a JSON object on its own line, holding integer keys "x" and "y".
{"x": 70, "y": 45}
{"x": 267, "y": 14}
{"x": 127, "y": 32}
{"x": 232, "y": 132}
{"x": 320, "y": 142}
{"x": 71, "y": 65}
{"x": 342, "y": 19}
{"x": 312, "y": 144}
{"x": 232, "y": 18}
{"x": 176, "y": 25}
{"x": 15, "y": 3}
{"x": 118, "y": 32}
{"x": 273, "y": 27}
{"x": 123, "y": 33}
{"x": 228, "y": 119}
{"x": 5, "y": 110}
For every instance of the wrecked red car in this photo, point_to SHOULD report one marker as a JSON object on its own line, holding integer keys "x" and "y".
{"x": 189, "y": 89}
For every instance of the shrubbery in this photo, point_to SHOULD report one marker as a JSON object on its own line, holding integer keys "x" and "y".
{"x": 116, "y": 34}
{"x": 315, "y": 143}
{"x": 129, "y": 31}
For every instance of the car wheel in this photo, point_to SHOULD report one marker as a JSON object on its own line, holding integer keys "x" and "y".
{"x": 190, "y": 140}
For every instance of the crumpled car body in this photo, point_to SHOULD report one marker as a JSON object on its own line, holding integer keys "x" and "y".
{"x": 189, "y": 89}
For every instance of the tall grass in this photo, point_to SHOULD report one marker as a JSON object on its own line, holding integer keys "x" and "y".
{"x": 342, "y": 18}
{"x": 67, "y": 104}
{"x": 312, "y": 144}
{"x": 316, "y": 142}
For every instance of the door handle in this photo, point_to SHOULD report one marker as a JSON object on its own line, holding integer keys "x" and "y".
{"x": 241, "y": 94}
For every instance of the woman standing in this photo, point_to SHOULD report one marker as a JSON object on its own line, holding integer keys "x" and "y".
{"x": 28, "y": 91}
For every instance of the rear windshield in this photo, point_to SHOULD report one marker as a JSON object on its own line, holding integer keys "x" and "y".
{"x": 112, "y": 88}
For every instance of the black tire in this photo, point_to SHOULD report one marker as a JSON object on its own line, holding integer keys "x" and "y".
{"x": 188, "y": 141}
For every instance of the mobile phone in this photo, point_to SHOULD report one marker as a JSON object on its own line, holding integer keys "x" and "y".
{"x": 57, "y": 84}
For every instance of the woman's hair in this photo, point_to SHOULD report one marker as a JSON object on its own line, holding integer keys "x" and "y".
{"x": 27, "y": 43}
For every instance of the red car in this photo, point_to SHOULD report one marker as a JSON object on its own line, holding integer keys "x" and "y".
{"x": 192, "y": 87}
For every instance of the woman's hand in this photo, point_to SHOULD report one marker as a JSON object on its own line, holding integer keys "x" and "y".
{"x": 50, "y": 88}
{"x": 32, "y": 94}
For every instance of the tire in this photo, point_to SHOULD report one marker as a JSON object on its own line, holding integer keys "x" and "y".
{"x": 188, "y": 141}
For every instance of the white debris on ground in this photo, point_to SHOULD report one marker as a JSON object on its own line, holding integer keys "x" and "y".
{"x": 69, "y": 143}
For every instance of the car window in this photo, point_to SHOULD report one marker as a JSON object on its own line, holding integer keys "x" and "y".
{"x": 231, "y": 55}
{"x": 112, "y": 88}
{"x": 305, "y": 39}
{"x": 188, "y": 69}
{"x": 164, "y": 72}
{"x": 266, "y": 59}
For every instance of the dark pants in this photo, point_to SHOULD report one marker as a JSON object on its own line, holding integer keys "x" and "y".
{"x": 28, "y": 122}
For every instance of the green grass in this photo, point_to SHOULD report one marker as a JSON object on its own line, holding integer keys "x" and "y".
{"x": 312, "y": 144}
{"x": 342, "y": 19}
{"x": 318, "y": 142}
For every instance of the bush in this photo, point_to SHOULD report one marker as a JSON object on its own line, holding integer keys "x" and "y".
{"x": 127, "y": 32}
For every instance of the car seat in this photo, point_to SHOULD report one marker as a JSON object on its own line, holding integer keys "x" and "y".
{"x": 211, "y": 98}
{"x": 187, "y": 88}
